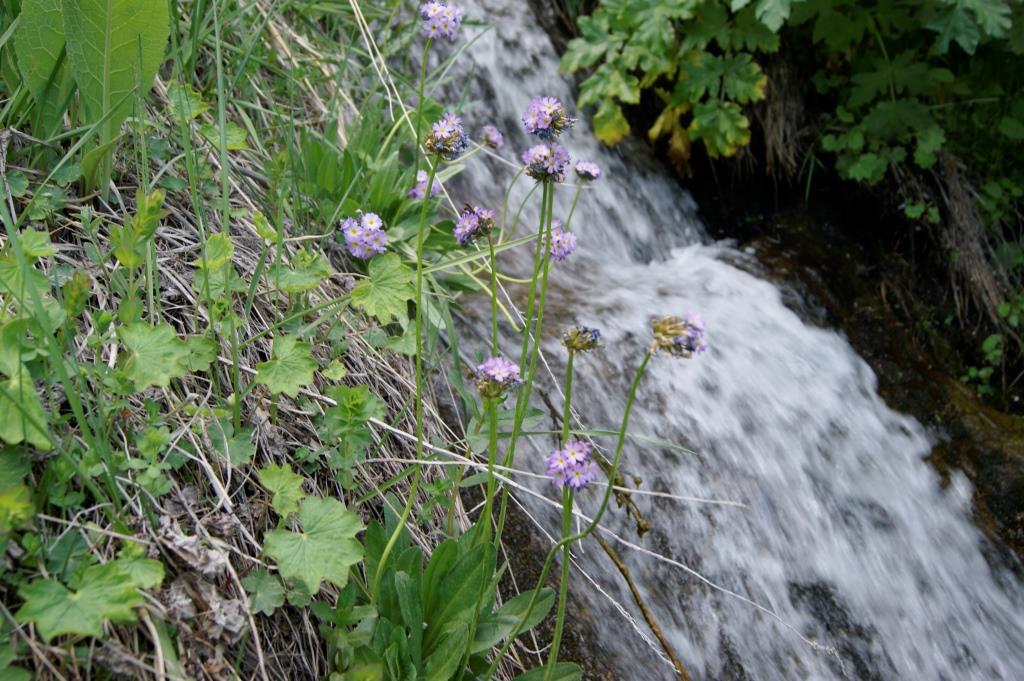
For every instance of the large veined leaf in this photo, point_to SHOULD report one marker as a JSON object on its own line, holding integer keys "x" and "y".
{"x": 156, "y": 354}
{"x": 389, "y": 287}
{"x": 107, "y": 592}
{"x": 289, "y": 368}
{"x": 22, "y": 418}
{"x": 114, "y": 47}
{"x": 39, "y": 43}
{"x": 325, "y": 548}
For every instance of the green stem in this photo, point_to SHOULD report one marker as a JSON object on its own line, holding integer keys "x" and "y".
{"x": 563, "y": 585}
{"x": 567, "y": 499}
{"x": 591, "y": 526}
{"x": 540, "y": 268}
{"x": 494, "y": 296}
{"x": 419, "y": 111}
{"x": 492, "y": 457}
{"x": 420, "y": 238}
{"x": 566, "y": 411}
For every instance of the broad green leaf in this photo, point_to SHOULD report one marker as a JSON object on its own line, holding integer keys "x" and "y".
{"x": 107, "y": 592}
{"x": 563, "y": 671}
{"x": 457, "y": 597}
{"x": 266, "y": 594}
{"x": 595, "y": 42}
{"x": 498, "y": 626}
{"x": 955, "y": 24}
{"x": 306, "y": 272}
{"x": 610, "y": 125}
{"x": 772, "y": 13}
{"x": 36, "y": 244}
{"x": 144, "y": 573}
{"x": 185, "y": 102}
{"x": 156, "y": 354}
{"x": 235, "y": 137}
{"x": 290, "y": 367}
{"x": 285, "y": 486}
{"x": 325, "y": 549}
{"x": 202, "y": 351}
{"x": 447, "y": 655}
{"x": 97, "y": 164}
{"x": 993, "y": 16}
{"x": 14, "y": 345}
{"x": 22, "y": 418}
{"x": 869, "y": 168}
{"x": 16, "y": 508}
{"x": 1012, "y": 128}
{"x": 114, "y": 48}
{"x": 218, "y": 252}
{"x": 149, "y": 210}
{"x": 235, "y": 448}
{"x": 742, "y": 79}
{"x": 39, "y": 43}
{"x": 722, "y": 127}
{"x": 387, "y": 290}
{"x": 929, "y": 141}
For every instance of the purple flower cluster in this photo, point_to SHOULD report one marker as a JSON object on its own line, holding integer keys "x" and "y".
{"x": 447, "y": 138}
{"x": 587, "y": 170}
{"x": 547, "y": 161}
{"x": 495, "y": 377}
{"x": 473, "y": 223}
{"x": 679, "y": 337}
{"x": 441, "y": 20}
{"x": 492, "y": 137}
{"x": 546, "y": 117}
{"x": 581, "y": 338}
{"x": 364, "y": 236}
{"x": 420, "y": 189}
{"x": 563, "y": 243}
{"x": 571, "y": 465}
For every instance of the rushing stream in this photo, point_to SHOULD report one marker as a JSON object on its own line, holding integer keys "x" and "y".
{"x": 848, "y": 536}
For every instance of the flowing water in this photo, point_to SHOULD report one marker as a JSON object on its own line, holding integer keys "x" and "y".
{"x": 848, "y": 536}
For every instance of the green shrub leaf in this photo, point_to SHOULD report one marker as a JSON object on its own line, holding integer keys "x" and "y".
{"x": 39, "y": 43}
{"x": 266, "y": 594}
{"x": 324, "y": 549}
{"x": 290, "y": 367}
{"x": 285, "y": 486}
{"x": 389, "y": 287}
{"x": 156, "y": 354}
{"x": 107, "y": 592}
{"x": 114, "y": 47}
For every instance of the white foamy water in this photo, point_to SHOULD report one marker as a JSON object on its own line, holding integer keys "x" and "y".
{"x": 848, "y": 537}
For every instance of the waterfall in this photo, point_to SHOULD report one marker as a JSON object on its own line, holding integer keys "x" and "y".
{"x": 847, "y": 535}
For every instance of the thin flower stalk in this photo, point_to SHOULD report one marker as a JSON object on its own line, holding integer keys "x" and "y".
{"x": 418, "y": 471}
{"x": 591, "y": 526}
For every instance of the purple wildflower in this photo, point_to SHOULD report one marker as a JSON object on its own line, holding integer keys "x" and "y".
{"x": 587, "y": 170}
{"x": 563, "y": 243}
{"x": 447, "y": 137}
{"x": 473, "y": 223}
{"x": 572, "y": 465}
{"x": 579, "y": 476}
{"x": 364, "y": 236}
{"x": 441, "y": 20}
{"x": 546, "y": 161}
{"x": 495, "y": 377}
{"x": 492, "y": 137}
{"x": 581, "y": 338}
{"x": 558, "y": 464}
{"x": 577, "y": 451}
{"x": 419, "y": 190}
{"x": 679, "y": 337}
{"x": 546, "y": 117}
